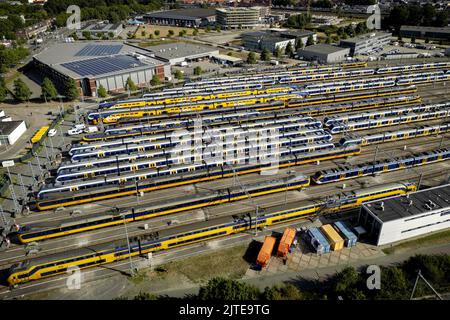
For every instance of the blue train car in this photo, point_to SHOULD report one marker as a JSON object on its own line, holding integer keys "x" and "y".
{"x": 344, "y": 230}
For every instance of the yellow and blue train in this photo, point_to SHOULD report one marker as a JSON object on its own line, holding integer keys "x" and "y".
{"x": 91, "y": 256}
{"x": 49, "y": 230}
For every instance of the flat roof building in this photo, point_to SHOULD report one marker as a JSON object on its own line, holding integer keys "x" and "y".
{"x": 402, "y": 217}
{"x": 366, "y": 43}
{"x": 99, "y": 29}
{"x": 324, "y": 53}
{"x": 182, "y": 17}
{"x": 239, "y": 17}
{"x": 10, "y": 130}
{"x": 434, "y": 33}
{"x": 92, "y": 64}
{"x": 175, "y": 53}
{"x": 275, "y": 38}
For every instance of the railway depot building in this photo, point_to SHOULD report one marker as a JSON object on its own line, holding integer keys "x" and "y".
{"x": 182, "y": 17}
{"x": 432, "y": 33}
{"x": 175, "y": 53}
{"x": 92, "y": 64}
{"x": 366, "y": 43}
{"x": 324, "y": 53}
{"x": 399, "y": 218}
{"x": 10, "y": 130}
{"x": 274, "y": 39}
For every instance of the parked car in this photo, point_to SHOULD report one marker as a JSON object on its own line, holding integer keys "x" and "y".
{"x": 52, "y": 132}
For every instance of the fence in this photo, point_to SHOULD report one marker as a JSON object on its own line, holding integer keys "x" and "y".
{"x": 4, "y": 180}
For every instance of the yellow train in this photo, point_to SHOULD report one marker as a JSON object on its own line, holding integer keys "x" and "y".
{"x": 143, "y": 102}
{"x": 259, "y": 104}
{"x": 87, "y": 257}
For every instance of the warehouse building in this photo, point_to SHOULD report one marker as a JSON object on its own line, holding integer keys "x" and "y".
{"x": 175, "y": 53}
{"x": 402, "y": 217}
{"x": 92, "y": 64}
{"x": 432, "y": 33}
{"x": 324, "y": 53}
{"x": 273, "y": 39}
{"x": 100, "y": 29}
{"x": 182, "y": 17}
{"x": 10, "y": 131}
{"x": 238, "y": 18}
{"x": 366, "y": 43}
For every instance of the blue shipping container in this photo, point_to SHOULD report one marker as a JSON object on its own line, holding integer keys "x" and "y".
{"x": 344, "y": 230}
{"x": 319, "y": 241}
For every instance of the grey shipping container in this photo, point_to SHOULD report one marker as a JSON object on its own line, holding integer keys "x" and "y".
{"x": 318, "y": 241}
{"x": 345, "y": 231}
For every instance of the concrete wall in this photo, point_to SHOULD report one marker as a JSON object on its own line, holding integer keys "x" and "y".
{"x": 17, "y": 133}
{"x": 411, "y": 227}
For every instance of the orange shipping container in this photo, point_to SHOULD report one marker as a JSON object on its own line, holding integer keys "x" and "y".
{"x": 266, "y": 251}
{"x": 336, "y": 242}
{"x": 286, "y": 242}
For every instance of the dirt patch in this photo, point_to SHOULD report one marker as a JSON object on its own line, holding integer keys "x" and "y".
{"x": 227, "y": 263}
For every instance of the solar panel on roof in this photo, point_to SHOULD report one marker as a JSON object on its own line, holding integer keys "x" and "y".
{"x": 99, "y": 50}
{"x": 98, "y": 66}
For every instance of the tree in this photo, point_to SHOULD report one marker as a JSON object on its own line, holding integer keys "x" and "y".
{"x": 3, "y": 90}
{"x": 310, "y": 41}
{"x": 87, "y": 35}
{"x": 143, "y": 33}
{"x": 285, "y": 292}
{"x": 278, "y": 52}
{"x": 328, "y": 40}
{"x": 265, "y": 55}
{"x": 130, "y": 85}
{"x": 394, "y": 284}
{"x": 208, "y": 29}
{"x": 427, "y": 40}
{"x": 413, "y": 39}
{"x": 289, "y": 49}
{"x": 101, "y": 92}
{"x": 178, "y": 75}
{"x": 218, "y": 29}
{"x": 155, "y": 80}
{"x": 251, "y": 58}
{"x": 170, "y": 33}
{"x": 71, "y": 90}
{"x": 48, "y": 89}
{"x": 21, "y": 90}
{"x": 198, "y": 71}
{"x": 224, "y": 289}
{"x": 145, "y": 296}
{"x": 195, "y": 32}
{"x": 156, "y": 32}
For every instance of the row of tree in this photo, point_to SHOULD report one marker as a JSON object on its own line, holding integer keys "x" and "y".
{"x": 396, "y": 284}
{"x": 9, "y": 57}
{"x": 415, "y": 15}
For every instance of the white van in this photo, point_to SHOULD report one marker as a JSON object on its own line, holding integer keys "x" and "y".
{"x": 91, "y": 129}
{"x": 79, "y": 126}
{"x": 74, "y": 131}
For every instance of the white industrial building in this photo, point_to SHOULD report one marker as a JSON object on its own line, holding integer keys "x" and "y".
{"x": 10, "y": 131}
{"x": 402, "y": 217}
{"x": 175, "y": 53}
